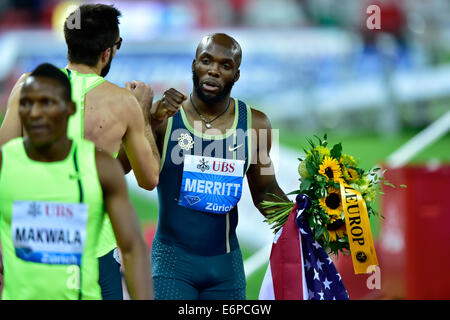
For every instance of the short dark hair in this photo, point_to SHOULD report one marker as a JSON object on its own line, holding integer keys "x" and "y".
{"x": 98, "y": 31}
{"x": 47, "y": 70}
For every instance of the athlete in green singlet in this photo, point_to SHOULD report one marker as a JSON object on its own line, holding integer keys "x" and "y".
{"x": 207, "y": 149}
{"x": 106, "y": 114}
{"x": 53, "y": 190}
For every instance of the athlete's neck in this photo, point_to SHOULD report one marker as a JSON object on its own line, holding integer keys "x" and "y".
{"x": 82, "y": 68}
{"x": 209, "y": 109}
{"x": 56, "y": 151}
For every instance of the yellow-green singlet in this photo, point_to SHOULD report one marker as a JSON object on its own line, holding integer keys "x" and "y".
{"x": 49, "y": 212}
{"x": 81, "y": 84}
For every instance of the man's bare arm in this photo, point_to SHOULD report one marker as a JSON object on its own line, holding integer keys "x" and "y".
{"x": 261, "y": 175}
{"x": 12, "y": 126}
{"x": 125, "y": 223}
{"x": 138, "y": 149}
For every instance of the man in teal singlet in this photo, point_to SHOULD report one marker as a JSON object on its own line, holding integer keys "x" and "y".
{"x": 53, "y": 190}
{"x": 207, "y": 148}
{"x": 106, "y": 115}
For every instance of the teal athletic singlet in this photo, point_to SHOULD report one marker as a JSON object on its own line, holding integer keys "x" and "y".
{"x": 195, "y": 252}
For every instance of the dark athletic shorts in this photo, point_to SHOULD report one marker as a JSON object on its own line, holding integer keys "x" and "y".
{"x": 180, "y": 275}
{"x": 110, "y": 278}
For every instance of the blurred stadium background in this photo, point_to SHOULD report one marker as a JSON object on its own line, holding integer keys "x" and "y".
{"x": 313, "y": 67}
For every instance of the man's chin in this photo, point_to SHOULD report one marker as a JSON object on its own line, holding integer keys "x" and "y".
{"x": 210, "y": 97}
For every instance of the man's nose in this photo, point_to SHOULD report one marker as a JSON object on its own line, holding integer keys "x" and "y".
{"x": 36, "y": 110}
{"x": 214, "y": 70}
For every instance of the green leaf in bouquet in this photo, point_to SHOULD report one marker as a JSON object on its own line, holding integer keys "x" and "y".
{"x": 311, "y": 143}
{"x": 312, "y": 170}
{"x": 387, "y": 183}
{"x": 336, "y": 151}
{"x": 293, "y": 192}
{"x": 326, "y": 236}
{"x": 306, "y": 184}
{"x": 318, "y": 232}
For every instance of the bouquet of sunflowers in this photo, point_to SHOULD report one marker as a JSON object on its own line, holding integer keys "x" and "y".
{"x": 324, "y": 174}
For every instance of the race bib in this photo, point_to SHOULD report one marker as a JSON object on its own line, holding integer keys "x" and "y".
{"x": 49, "y": 232}
{"x": 211, "y": 185}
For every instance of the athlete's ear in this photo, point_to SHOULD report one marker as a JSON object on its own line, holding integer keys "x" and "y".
{"x": 104, "y": 56}
{"x": 237, "y": 75}
{"x": 193, "y": 65}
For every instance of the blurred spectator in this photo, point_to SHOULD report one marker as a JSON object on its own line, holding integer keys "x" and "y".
{"x": 21, "y": 13}
{"x": 268, "y": 13}
{"x": 238, "y": 7}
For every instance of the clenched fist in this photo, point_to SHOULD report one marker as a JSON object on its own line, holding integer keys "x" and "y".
{"x": 168, "y": 105}
{"x": 143, "y": 93}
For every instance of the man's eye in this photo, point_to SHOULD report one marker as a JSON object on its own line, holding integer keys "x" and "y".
{"x": 25, "y": 103}
{"x": 46, "y": 102}
{"x": 205, "y": 61}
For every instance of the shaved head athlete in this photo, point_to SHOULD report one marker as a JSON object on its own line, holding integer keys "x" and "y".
{"x": 207, "y": 148}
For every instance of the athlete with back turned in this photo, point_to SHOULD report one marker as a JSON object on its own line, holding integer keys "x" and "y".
{"x": 106, "y": 115}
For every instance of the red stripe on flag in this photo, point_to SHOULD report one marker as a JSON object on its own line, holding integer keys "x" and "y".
{"x": 286, "y": 262}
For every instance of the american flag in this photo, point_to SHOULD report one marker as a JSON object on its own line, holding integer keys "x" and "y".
{"x": 299, "y": 268}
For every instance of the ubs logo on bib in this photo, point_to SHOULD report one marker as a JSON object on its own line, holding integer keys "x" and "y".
{"x": 203, "y": 165}
{"x": 223, "y": 166}
{"x": 58, "y": 210}
{"x": 34, "y": 209}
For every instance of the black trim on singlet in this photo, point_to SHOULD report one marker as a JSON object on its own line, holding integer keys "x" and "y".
{"x": 80, "y": 200}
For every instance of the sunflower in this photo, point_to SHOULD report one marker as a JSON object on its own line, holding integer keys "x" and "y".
{"x": 336, "y": 229}
{"x": 351, "y": 174}
{"x": 331, "y": 203}
{"x": 330, "y": 169}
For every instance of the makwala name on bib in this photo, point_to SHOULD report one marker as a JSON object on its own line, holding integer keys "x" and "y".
{"x": 49, "y": 232}
{"x": 211, "y": 184}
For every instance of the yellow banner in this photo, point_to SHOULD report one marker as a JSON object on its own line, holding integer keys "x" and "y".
{"x": 359, "y": 233}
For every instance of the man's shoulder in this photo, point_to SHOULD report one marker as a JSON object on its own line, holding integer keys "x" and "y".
{"x": 114, "y": 90}
{"x": 259, "y": 119}
{"x": 117, "y": 97}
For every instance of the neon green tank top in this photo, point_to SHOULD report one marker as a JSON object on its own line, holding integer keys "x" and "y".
{"x": 47, "y": 235}
{"x": 81, "y": 84}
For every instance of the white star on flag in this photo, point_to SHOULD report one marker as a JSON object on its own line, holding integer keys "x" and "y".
{"x": 327, "y": 283}
{"x": 307, "y": 265}
{"x": 316, "y": 275}
{"x": 319, "y": 264}
{"x": 321, "y": 293}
